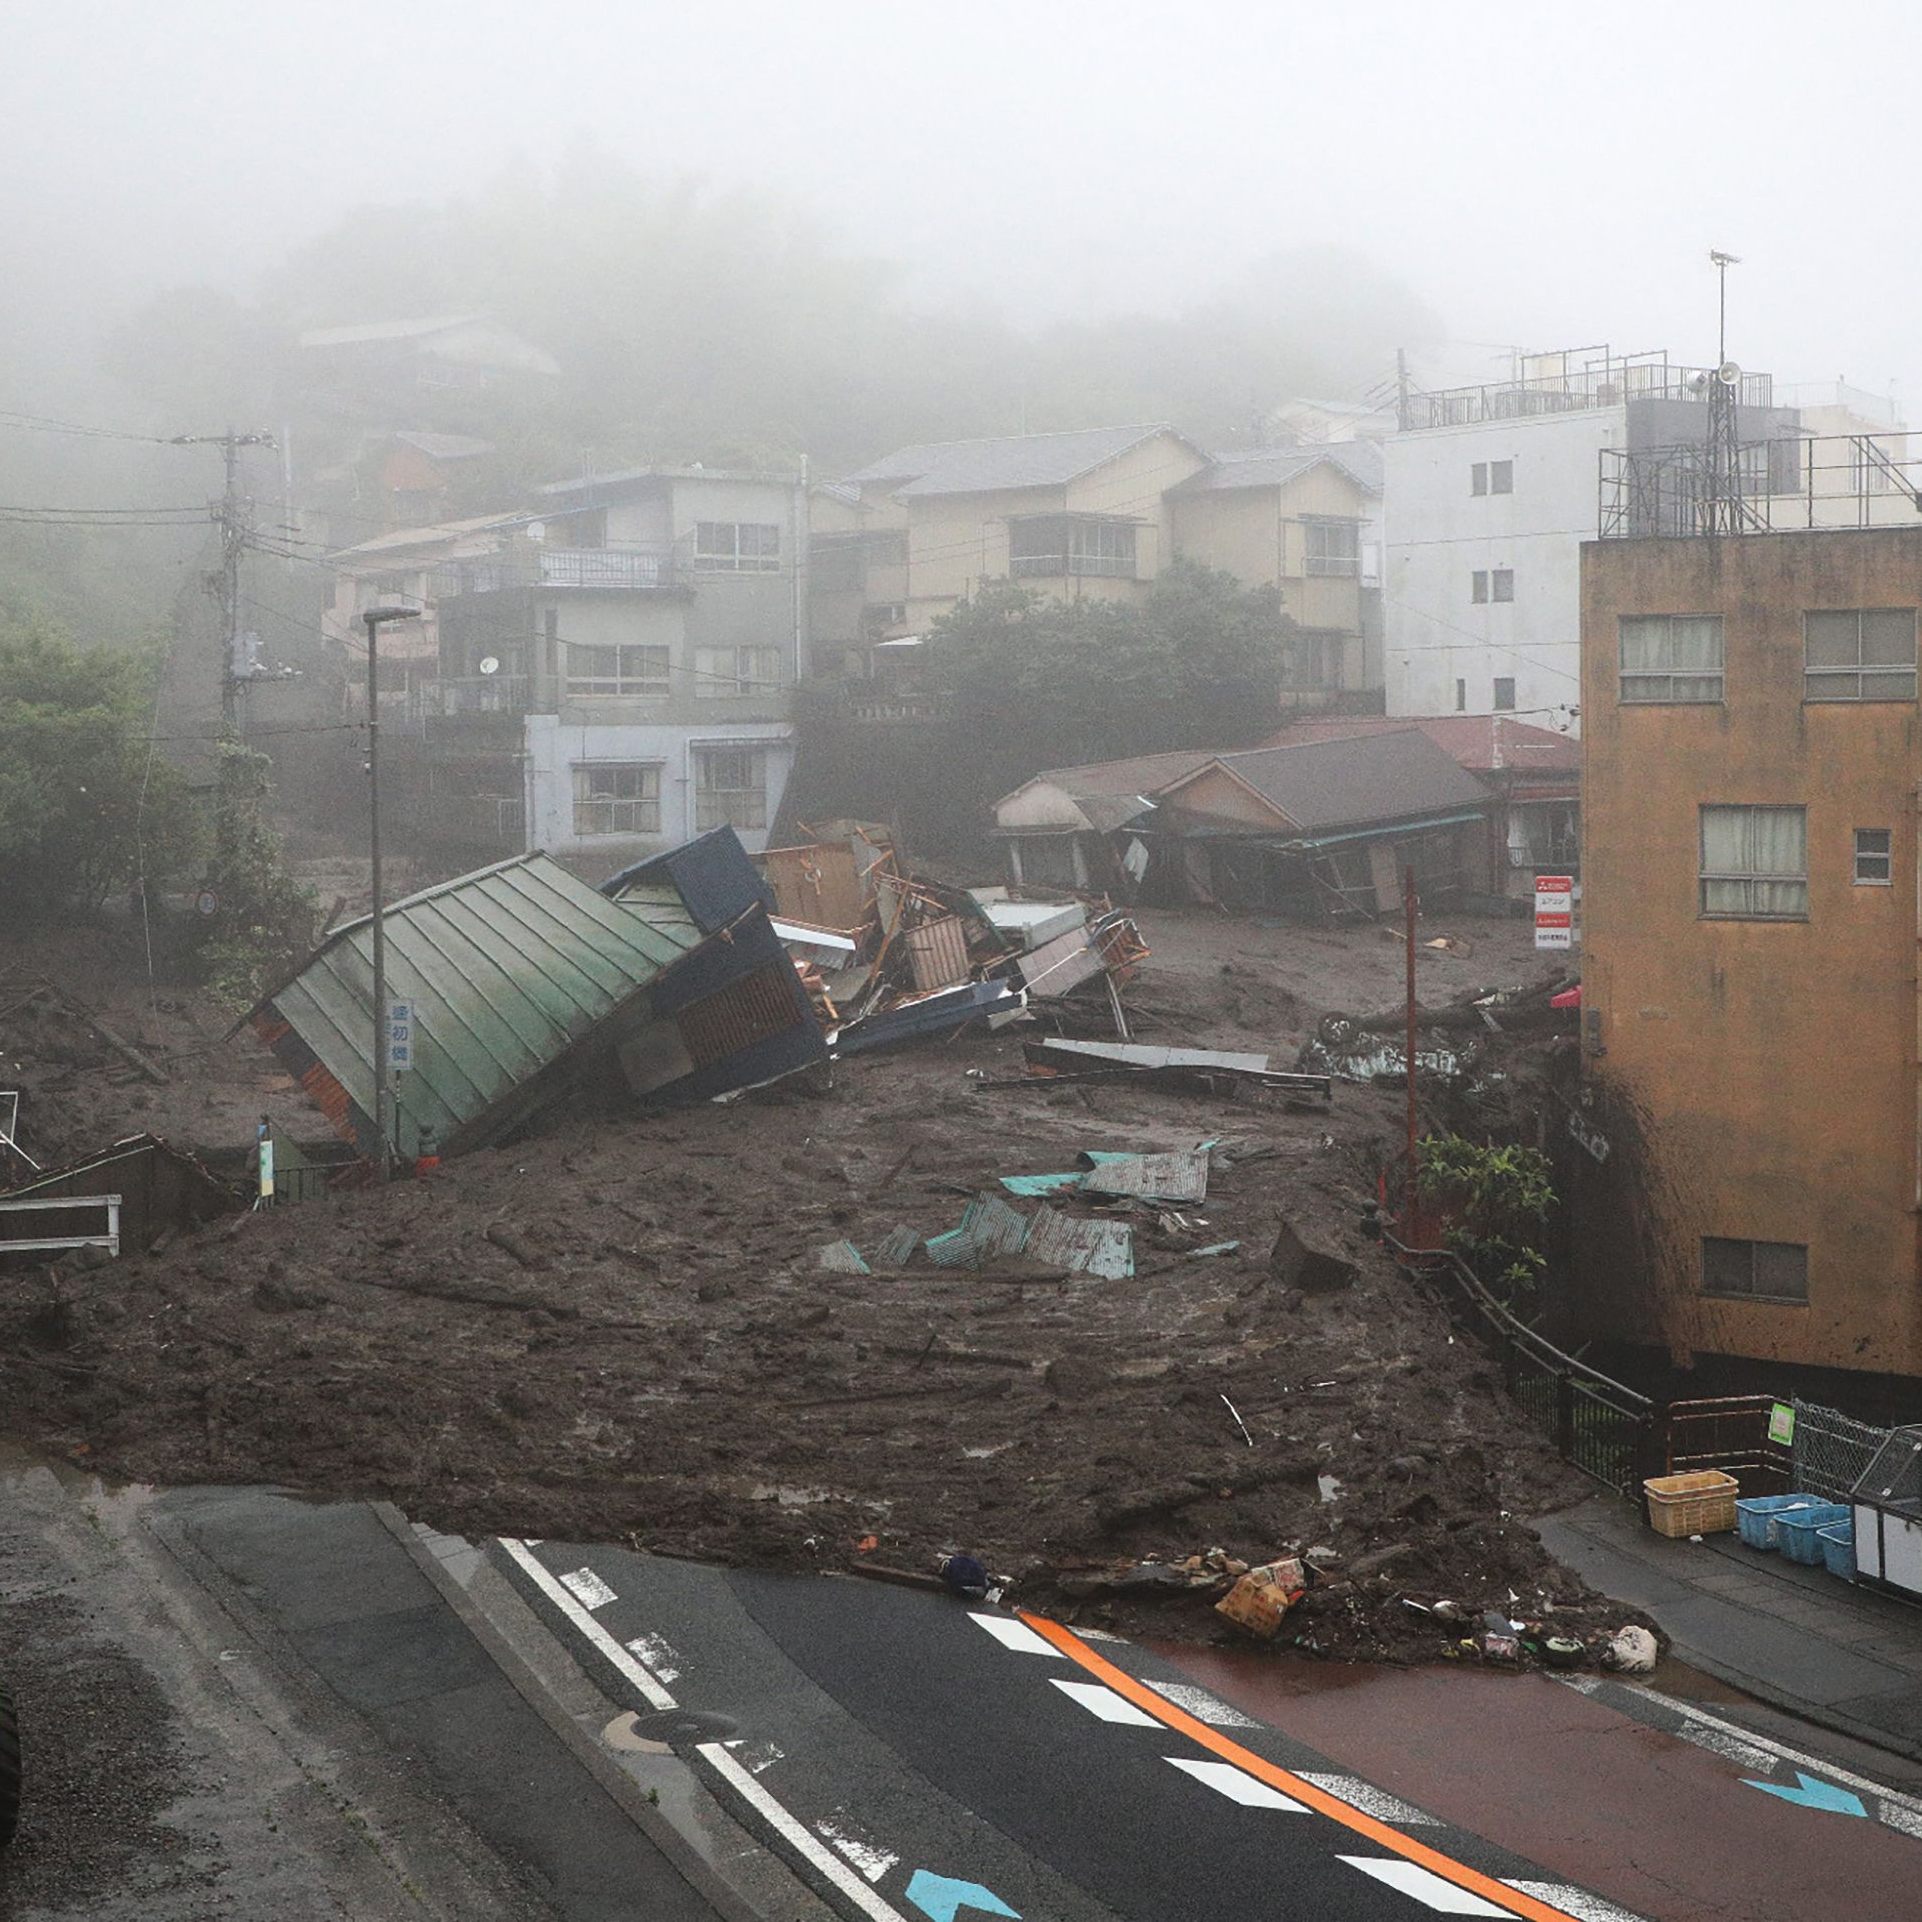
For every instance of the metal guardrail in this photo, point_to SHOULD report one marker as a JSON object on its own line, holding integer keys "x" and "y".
{"x": 1606, "y": 1429}
{"x": 107, "y": 1236}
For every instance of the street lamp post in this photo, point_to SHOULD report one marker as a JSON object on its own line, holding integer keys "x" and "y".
{"x": 375, "y": 619}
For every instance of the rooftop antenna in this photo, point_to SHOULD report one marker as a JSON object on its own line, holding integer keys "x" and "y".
{"x": 1722, "y": 509}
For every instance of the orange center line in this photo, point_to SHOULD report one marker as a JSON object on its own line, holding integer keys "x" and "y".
{"x": 1318, "y": 1799}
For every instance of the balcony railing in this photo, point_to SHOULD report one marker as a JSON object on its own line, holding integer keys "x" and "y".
{"x": 621, "y": 570}
{"x": 1564, "y": 383}
{"x": 1778, "y": 486}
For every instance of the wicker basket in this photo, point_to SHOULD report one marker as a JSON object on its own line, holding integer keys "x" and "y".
{"x": 1699, "y": 1504}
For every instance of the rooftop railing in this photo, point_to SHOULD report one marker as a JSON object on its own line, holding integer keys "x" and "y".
{"x": 1777, "y": 486}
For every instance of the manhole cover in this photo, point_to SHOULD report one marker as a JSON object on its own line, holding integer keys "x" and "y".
{"x": 681, "y": 1727}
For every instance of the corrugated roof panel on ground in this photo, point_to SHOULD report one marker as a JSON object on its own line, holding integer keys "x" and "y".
{"x": 1167, "y": 1177}
{"x": 988, "y": 1227}
{"x": 507, "y": 968}
{"x": 1083, "y": 1247}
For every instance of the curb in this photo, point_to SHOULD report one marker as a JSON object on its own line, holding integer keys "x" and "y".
{"x": 681, "y": 1848}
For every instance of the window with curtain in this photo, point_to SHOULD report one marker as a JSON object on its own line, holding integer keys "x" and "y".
{"x": 1859, "y": 654}
{"x": 1331, "y": 546}
{"x": 1755, "y": 864}
{"x": 1670, "y": 658}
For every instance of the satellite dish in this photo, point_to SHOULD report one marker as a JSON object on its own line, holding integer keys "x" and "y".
{"x": 489, "y": 664}
{"x": 537, "y": 530}
{"x": 1728, "y": 373}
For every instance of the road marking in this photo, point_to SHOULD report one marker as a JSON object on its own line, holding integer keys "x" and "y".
{"x": 943, "y": 1898}
{"x": 659, "y": 1654}
{"x": 1457, "y": 1875}
{"x": 1897, "y": 1810}
{"x": 1105, "y": 1703}
{"x": 1237, "y": 1785}
{"x": 797, "y": 1835}
{"x": 588, "y": 1589}
{"x": 1015, "y": 1635}
{"x": 759, "y": 1756}
{"x": 869, "y": 1857}
{"x": 630, "y": 1671}
{"x": 1730, "y": 1748}
{"x": 1577, "y": 1902}
{"x": 1446, "y": 1898}
{"x": 1370, "y": 1800}
{"x": 1811, "y": 1793}
{"x": 1200, "y": 1704}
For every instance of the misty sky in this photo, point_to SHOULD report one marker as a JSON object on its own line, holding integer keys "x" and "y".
{"x": 1541, "y": 174}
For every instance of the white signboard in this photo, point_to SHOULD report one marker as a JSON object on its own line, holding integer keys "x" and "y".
{"x": 400, "y": 1034}
{"x": 1554, "y": 910}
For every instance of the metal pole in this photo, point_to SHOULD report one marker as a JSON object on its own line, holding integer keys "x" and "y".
{"x": 383, "y": 1159}
{"x": 1408, "y": 903}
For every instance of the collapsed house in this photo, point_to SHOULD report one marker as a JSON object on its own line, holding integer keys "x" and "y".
{"x": 1315, "y": 829}
{"x": 136, "y": 1194}
{"x": 526, "y": 986}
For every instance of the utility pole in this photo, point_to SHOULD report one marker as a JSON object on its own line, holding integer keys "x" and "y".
{"x": 1401, "y": 388}
{"x": 376, "y": 618}
{"x": 1410, "y": 906}
{"x": 233, "y": 518}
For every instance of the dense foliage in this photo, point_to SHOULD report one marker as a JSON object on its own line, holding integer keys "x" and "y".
{"x": 1497, "y": 1200}
{"x": 85, "y": 805}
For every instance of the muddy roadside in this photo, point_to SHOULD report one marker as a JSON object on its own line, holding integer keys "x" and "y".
{"x": 618, "y": 1330}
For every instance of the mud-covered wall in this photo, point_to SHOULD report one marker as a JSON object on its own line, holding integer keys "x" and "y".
{"x": 1756, "y": 1079}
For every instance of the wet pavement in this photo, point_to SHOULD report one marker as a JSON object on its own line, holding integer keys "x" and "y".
{"x": 1653, "y": 1807}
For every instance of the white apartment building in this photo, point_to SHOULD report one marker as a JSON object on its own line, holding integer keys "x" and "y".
{"x": 1489, "y": 492}
{"x": 603, "y": 676}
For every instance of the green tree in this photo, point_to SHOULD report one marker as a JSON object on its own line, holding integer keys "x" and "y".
{"x": 1195, "y": 663}
{"x": 86, "y": 803}
{"x": 1497, "y": 1200}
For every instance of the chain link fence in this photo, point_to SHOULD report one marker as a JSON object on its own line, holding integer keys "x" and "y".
{"x": 1832, "y": 1450}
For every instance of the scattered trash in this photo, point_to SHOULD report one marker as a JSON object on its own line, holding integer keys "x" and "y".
{"x": 1263, "y": 1596}
{"x": 1632, "y": 1651}
{"x": 1328, "y": 1488}
{"x": 1562, "y": 1651}
{"x": 1239, "y": 1423}
{"x": 1213, "y": 1248}
{"x": 841, "y": 1258}
{"x": 1500, "y": 1648}
{"x": 965, "y": 1577}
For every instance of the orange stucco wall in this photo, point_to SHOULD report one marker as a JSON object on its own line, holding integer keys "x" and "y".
{"x": 1757, "y": 1079}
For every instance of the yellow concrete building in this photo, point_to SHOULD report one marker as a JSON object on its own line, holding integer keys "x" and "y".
{"x": 1098, "y": 514}
{"x": 1751, "y": 1102}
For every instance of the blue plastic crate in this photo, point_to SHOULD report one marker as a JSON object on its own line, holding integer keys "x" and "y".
{"x": 1838, "y": 1549}
{"x": 1798, "y": 1531}
{"x": 1755, "y": 1518}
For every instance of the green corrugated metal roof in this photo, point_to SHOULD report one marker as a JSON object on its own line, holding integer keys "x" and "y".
{"x": 506, "y": 967}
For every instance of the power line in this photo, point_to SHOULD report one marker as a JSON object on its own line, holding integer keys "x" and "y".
{"x": 46, "y": 424}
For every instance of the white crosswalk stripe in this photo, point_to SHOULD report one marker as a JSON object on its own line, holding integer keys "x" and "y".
{"x": 1098, "y": 1699}
{"x": 1424, "y": 1885}
{"x": 1238, "y": 1785}
{"x": 1014, "y": 1635}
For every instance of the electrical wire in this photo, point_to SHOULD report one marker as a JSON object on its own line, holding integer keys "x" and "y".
{"x": 46, "y": 424}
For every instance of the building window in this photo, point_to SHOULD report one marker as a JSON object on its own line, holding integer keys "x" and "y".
{"x": 1055, "y": 544}
{"x": 1311, "y": 659}
{"x": 1461, "y": 696}
{"x": 1478, "y": 586}
{"x": 1874, "y": 857}
{"x": 1331, "y": 547}
{"x": 617, "y": 797}
{"x": 1865, "y": 654}
{"x": 1671, "y": 657}
{"x": 1755, "y": 863}
{"x": 730, "y": 788}
{"x": 727, "y": 673}
{"x": 632, "y": 673}
{"x": 1478, "y": 478}
{"x": 737, "y": 547}
{"x": 1504, "y": 693}
{"x": 1755, "y": 1270}
{"x": 1501, "y": 584}
{"x": 1501, "y": 477}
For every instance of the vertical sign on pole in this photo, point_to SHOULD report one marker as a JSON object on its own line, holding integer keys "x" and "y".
{"x": 265, "y": 1142}
{"x": 1554, "y": 910}
{"x": 400, "y": 1035}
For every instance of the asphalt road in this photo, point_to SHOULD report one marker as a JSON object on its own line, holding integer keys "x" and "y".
{"x": 900, "y": 1746}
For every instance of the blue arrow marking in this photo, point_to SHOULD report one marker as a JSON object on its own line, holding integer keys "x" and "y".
{"x": 1811, "y": 1795}
{"x": 942, "y": 1898}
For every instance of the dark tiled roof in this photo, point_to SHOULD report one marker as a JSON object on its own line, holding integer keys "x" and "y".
{"x": 1325, "y": 785}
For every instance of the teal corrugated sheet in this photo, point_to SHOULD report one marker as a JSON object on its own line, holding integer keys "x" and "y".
{"x": 506, "y": 968}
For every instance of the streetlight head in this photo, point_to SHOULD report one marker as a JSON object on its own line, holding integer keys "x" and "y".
{"x": 1719, "y": 259}
{"x": 380, "y": 616}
